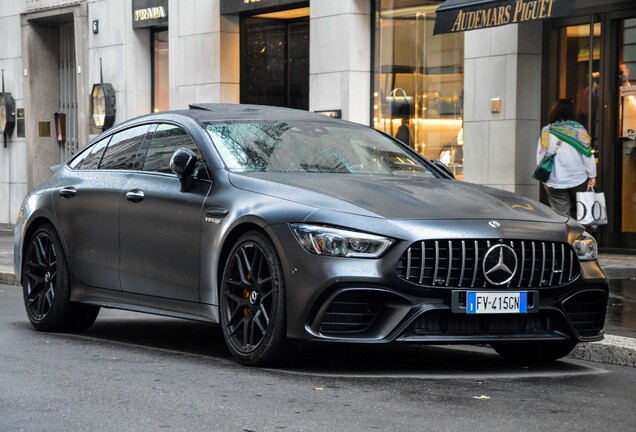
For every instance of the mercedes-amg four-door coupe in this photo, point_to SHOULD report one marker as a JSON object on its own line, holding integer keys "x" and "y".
{"x": 285, "y": 226}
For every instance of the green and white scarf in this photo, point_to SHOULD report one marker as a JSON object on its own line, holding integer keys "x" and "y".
{"x": 570, "y": 132}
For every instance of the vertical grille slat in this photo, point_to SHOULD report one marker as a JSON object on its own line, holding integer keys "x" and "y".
{"x": 461, "y": 273}
{"x": 450, "y": 261}
{"x": 542, "y": 263}
{"x": 476, "y": 264}
{"x": 553, "y": 263}
{"x": 523, "y": 262}
{"x": 458, "y": 263}
{"x": 422, "y": 264}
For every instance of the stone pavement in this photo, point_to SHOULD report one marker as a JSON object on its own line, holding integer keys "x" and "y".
{"x": 617, "y": 348}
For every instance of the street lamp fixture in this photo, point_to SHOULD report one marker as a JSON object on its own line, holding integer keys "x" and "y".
{"x": 7, "y": 113}
{"x": 103, "y": 107}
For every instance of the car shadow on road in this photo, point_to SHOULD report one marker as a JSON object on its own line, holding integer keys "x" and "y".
{"x": 343, "y": 360}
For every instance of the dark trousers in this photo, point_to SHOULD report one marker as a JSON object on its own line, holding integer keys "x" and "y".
{"x": 564, "y": 200}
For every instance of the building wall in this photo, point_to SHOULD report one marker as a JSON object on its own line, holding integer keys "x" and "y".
{"x": 340, "y": 58}
{"x": 125, "y": 54}
{"x": 204, "y": 66}
{"x": 500, "y": 148}
{"x": 13, "y": 159}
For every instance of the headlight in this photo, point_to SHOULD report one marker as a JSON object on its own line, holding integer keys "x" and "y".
{"x": 585, "y": 247}
{"x": 323, "y": 240}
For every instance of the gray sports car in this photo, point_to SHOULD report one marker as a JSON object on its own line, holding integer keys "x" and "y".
{"x": 287, "y": 226}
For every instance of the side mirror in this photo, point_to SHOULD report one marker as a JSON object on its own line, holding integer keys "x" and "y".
{"x": 444, "y": 168}
{"x": 183, "y": 163}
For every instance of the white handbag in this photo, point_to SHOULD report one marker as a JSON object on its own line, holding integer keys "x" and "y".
{"x": 590, "y": 208}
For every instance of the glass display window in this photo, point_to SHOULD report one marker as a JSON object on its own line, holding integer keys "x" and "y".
{"x": 419, "y": 81}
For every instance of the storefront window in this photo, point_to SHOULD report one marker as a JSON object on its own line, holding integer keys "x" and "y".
{"x": 580, "y": 74}
{"x": 160, "y": 86}
{"x": 419, "y": 81}
{"x": 627, "y": 124}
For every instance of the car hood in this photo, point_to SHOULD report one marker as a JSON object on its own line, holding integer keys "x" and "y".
{"x": 396, "y": 197}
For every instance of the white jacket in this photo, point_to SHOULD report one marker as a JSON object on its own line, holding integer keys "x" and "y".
{"x": 571, "y": 168}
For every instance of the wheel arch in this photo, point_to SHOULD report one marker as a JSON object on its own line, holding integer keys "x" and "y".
{"x": 34, "y": 224}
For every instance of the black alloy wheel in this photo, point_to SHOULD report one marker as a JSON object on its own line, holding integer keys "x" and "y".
{"x": 46, "y": 286}
{"x": 253, "y": 301}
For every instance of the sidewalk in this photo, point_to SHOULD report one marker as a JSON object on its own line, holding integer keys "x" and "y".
{"x": 618, "y": 347}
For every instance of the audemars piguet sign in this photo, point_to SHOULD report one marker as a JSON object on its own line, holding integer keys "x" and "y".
{"x": 150, "y": 13}
{"x": 463, "y": 15}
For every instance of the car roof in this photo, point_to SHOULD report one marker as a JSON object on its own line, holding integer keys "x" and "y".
{"x": 209, "y": 112}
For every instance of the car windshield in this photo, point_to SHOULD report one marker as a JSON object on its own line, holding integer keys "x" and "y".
{"x": 311, "y": 147}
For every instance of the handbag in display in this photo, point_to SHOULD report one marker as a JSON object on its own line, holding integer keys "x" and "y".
{"x": 398, "y": 104}
{"x": 590, "y": 208}
{"x": 544, "y": 169}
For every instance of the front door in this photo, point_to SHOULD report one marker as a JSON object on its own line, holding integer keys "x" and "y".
{"x": 589, "y": 59}
{"x": 160, "y": 227}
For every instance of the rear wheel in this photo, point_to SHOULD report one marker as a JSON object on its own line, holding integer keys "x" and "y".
{"x": 253, "y": 302}
{"x": 534, "y": 351}
{"x": 47, "y": 289}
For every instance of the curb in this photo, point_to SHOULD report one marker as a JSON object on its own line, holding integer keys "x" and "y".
{"x": 8, "y": 278}
{"x": 616, "y": 350}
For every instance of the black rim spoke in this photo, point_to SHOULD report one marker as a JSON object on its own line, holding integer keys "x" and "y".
{"x": 41, "y": 276}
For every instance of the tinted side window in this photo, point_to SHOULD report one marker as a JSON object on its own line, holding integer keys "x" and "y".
{"x": 93, "y": 158}
{"x": 89, "y": 158}
{"x": 122, "y": 150}
{"x": 161, "y": 144}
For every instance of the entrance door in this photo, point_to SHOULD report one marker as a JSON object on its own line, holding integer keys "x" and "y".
{"x": 589, "y": 60}
{"x": 275, "y": 62}
{"x": 626, "y": 127}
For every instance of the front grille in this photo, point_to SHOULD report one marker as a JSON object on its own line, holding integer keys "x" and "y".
{"x": 446, "y": 323}
{"x": 458, "y": 263}
{"x": 351, "y": 312}
{"x": 586, "y": 312}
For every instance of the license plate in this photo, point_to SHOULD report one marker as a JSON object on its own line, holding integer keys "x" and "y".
{"x": 496, "y": 302}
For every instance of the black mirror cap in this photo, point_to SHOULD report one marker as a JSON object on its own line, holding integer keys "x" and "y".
{"x": 444, "y": 168}
{"x": 183, "y": 163}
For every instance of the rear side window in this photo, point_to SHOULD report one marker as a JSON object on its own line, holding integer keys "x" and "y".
{"x": 121, "y": 153}
{"x": 159, "y": 146}
{"x": 90, "y": 158}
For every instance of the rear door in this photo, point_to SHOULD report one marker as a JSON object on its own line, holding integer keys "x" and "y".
{"x": 87, "y": 206}
{"x": 160, "y": 227}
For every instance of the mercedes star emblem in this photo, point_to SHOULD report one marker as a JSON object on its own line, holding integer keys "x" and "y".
{"x": 500, "y": 264}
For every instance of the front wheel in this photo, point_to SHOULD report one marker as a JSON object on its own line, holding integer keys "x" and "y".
{"x": 252, "y": 298}
{"x": 534, "y": 351}
{"x": 47, "y": 289}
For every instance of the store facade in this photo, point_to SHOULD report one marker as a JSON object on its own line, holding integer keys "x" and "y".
{"x": 474, "y": 99}
{"x": 587, "y": 58}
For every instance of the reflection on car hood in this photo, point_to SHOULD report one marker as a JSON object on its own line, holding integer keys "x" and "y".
{"x": 396, "y": 197}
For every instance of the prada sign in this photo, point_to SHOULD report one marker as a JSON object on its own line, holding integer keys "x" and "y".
{"x": 463, "y": 15}
{"x": 150, "y": 13}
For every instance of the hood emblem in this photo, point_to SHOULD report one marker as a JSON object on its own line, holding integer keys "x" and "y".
{"x": 494, "y": 224}
{"x": 500, "y": 264}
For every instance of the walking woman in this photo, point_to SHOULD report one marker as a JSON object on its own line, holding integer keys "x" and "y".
{"x": 574, "y": 166}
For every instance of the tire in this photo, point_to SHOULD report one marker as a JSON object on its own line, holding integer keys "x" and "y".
{"x": 47, "y": 289}
{"x": 534, "y": 351}
{"x": 252, "y": 302}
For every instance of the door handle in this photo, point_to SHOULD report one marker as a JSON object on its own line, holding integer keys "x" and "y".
{"x": 135, "y": 195}
{"x": 68, "y": 192}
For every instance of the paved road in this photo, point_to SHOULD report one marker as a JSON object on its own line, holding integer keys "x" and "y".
{"x": 135, "y": 372}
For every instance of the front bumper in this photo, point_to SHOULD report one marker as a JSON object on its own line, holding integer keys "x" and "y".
{"x": 366, "y": 301}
